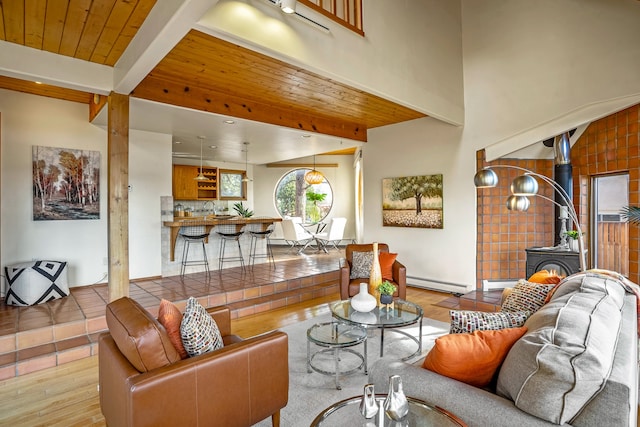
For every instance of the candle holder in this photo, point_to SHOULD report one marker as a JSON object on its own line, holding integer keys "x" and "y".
{"x": 564, "y": 244}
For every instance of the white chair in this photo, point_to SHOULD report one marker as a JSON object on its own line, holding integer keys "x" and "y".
{"x": 333, "y": 236}
{"x": 295, "y": 234}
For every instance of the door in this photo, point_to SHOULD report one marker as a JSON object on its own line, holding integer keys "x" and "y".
{"x": 610, "y": 233}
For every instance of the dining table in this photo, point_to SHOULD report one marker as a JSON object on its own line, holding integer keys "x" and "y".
{"x": 211, "y": 221}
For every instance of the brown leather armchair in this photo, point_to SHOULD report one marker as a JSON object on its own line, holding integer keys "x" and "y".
{"x": 238, "y": 385}
{"x": 350, "y": 287}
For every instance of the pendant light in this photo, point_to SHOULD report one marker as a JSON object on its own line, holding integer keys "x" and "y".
{"x": 313, "y": 176}
{"x": 201, "y": 176}
{"x": 246, "y": 162}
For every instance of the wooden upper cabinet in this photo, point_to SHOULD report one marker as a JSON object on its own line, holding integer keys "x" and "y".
{"x": 185, "y": 187}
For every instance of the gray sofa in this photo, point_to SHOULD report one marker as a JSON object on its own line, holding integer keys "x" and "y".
{"x": 577, "y": 364}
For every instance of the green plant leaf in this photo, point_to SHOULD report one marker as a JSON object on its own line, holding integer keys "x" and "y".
{"x": 631, "y": 214}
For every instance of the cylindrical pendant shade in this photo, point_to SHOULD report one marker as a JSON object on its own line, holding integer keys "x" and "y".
{"x": 518, "y": 203}
{"x": 485, "y": 178}
{"x": 314, "y": 177}
{"x": 524, "y": 185}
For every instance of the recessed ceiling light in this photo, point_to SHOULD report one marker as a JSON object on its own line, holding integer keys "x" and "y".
{"x": 38, "y": 83}
{"x": 213, "y": 147}
{"x": 306, "y": 136}
{"x": 178, "y": 142}
{"x": 229, "y": 122}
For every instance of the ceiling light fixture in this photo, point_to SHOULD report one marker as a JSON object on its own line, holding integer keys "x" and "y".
{"x": 229, "y": 122}
{"x": 201, "y": 176}
{"x": 313, "y": 176}
{"x": 287, "y": 6}
{"x": 246, "y": 162}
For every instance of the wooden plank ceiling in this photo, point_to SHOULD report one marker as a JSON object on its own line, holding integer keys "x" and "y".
{"x": 201, "y": 72}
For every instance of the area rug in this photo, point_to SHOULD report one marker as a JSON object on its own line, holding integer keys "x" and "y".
{"x": 310, "y": 393}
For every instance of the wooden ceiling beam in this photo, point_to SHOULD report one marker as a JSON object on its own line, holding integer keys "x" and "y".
{"x": 197, "y": 98}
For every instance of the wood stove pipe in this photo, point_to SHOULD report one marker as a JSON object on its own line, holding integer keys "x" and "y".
{"x": 563, "y": 175}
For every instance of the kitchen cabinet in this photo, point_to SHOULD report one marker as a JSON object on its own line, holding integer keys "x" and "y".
{"x": 185, "y": 187}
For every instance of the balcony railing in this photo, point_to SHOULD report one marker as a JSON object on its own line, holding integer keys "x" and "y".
{"x": 347, "y": 13}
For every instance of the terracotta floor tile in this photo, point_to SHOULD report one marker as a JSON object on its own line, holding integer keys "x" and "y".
{"x": 37, "y": 351}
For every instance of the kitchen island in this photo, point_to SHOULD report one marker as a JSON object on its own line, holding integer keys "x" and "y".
{"x": 210, "y": 222}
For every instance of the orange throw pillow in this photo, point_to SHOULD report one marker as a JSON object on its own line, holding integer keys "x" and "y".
{"x": 386, "y": 262}
{"x": 544, "y": 277}
{"x": 472, "y": 358}
{"x": 170, "y": 317}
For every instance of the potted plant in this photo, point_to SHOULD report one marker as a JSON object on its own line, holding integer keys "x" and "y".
{"x": 573, "y": 236}
{"x": 242, "y": 211}
{"x": 386, "y": 289}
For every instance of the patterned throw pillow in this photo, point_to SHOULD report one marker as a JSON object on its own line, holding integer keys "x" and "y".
{"x": 526, "y": 296}
{"x": 200, "y": 333}
{"x": 361, "y": 265}
{"x": 463, "y": 321}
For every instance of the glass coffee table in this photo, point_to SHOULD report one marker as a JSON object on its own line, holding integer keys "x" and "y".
{"x": 403, "y": 313}
{"x": 421, "y": 414}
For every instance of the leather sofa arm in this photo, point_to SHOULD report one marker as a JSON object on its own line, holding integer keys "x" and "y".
{"x": 345, "y": 272}
{"x": 222, "y": 316}
{"x": 400, "y": 277}
{"x": 238, "y": 385}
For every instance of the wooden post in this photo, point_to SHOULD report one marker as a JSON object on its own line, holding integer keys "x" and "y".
{"x": 118, "y": 204}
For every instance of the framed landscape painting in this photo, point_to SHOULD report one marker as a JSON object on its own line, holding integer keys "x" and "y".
{"x": 412, "y": 201}
{"x": 66, "y": 184}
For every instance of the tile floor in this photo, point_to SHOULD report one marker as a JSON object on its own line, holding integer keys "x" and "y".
{"x": 56, "y": 332}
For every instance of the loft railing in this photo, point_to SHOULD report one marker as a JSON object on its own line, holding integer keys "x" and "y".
{"x": 347, "y": 13}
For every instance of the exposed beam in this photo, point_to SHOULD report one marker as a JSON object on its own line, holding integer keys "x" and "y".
{"x": 302, "y": 165}
{"x": 197, "y": 98}
{"x": 118, "y": 204}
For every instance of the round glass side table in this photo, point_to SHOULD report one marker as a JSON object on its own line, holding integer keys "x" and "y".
{"x": 335, "y": 337}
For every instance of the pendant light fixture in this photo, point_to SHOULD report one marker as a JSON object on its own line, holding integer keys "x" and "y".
{"x": 313, "y": 176}
{"x": 246, "y": 162}
{"x": 201, "y": 176}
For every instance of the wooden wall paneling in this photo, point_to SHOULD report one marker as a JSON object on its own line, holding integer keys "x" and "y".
{"x": 34, "y": 11}
{"x": 76, "y": 19}
{"x": 118, "y": 203}
{"x": 55, "y": 15}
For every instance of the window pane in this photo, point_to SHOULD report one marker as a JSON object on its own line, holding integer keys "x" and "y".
{"x": 295, "y": 197}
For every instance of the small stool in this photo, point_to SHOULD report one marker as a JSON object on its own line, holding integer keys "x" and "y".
{"x": 257, "y": 234}
{"x": 335, "y": 337}
{"x": 193, "y": 232}
{"x": 35, "y": 282}
{"x": 227, "y": 233}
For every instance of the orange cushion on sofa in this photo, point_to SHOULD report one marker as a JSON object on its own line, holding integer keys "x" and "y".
{"x": 544, "y": 277}
{"x": 386, "y": 262}
{"x": 472, "y": 358}
{"x": 171, "y": 317}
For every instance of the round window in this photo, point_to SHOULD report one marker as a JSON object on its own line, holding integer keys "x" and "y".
{"x": 296, "y": 197}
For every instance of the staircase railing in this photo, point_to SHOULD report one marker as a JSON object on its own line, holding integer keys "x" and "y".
{"x": 347, "y": 13}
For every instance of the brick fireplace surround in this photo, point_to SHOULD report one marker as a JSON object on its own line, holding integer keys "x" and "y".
{"x": 609, "y": 145}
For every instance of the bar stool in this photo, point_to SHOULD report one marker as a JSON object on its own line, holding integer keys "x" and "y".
{"x": 229, "y": 232}
{"x": 193, "y": 232}
{"x": 257, "y": 233}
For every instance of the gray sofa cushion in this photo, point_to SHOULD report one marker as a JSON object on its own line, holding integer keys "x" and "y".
{"x": 567, "y": 355}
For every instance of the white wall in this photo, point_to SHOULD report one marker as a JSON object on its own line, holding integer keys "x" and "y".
{"x": 411, "y": 52}
{"x": 29, "y": 120}
{"x": 340, "y": 178}
{"x": 435, "y": 258}
{"x": 149, "y": 180}
{"x": 539, "y": 68}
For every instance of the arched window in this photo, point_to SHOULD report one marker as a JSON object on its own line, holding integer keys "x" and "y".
{"x": 295, "y": 197}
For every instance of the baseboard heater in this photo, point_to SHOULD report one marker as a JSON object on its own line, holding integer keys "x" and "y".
{"x": 437, "y": 285}
{"x": 494, "y": 284}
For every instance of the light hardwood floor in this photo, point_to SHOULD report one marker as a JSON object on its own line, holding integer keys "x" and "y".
{"x": 67, "y": 395}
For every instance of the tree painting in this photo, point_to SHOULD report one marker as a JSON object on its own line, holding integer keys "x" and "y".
{"x": 412, "y": 201}
{"x": 66, "y": 184}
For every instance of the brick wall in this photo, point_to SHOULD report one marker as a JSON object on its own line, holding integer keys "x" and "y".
{"x": 609, "y": 145}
